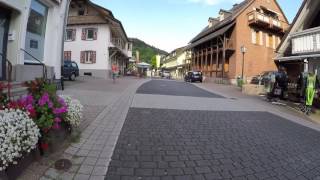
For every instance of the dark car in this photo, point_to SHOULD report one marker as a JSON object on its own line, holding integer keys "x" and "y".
{"x": 193, "y": 76}
{"x": 70, "y": 70}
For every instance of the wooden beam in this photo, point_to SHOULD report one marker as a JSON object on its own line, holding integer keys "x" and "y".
{"x": 223, "y": 54}
{"x": 206, "y": 65}
{"x": 217, "y": 58}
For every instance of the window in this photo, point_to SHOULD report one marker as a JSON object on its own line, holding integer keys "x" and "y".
{"x": 74, "y": 65}
{"x": 257, "y": 37}
{"x": 70, "y": 35}
{"x": 36, "y": 28}
{"x": 270, "y": 40}
{"x": 253, "y": 37}
{"x": 67, "y": 55}
{"x": 89, "y": 34}
{"x": 81, "y": 11}
{"x": 88, "y": 57}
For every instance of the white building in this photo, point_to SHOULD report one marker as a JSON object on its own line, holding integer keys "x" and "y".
{"x": 177, "y": 62}
{"x": 35, "y": 27}
{"x": 95, "y": 39}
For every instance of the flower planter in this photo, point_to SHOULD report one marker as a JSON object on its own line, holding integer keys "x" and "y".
{"x": 15, "y": 170}
{"x": 57, "y": 137}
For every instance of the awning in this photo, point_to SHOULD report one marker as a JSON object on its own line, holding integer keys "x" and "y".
{"x": 211, "y": 36}
{"x": 295, "y": 58}
{"x": 143, "y": 65}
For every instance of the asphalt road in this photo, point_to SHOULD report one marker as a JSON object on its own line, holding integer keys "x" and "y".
{"x": 171, "y": 144}
{"x": 174, "y": 88}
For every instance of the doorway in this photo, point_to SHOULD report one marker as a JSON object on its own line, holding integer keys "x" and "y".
{"x": 4, "y": 28}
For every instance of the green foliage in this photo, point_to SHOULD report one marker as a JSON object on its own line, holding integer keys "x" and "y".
{"x": 146, "y": 51}
{"x": 154, "y": 62}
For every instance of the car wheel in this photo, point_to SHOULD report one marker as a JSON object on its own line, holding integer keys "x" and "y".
{"x": 200, "y": 81}
{"x": 72, "y": 77}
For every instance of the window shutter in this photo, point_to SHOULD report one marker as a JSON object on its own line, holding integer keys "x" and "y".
{"x": 74, "y": 32}
{"x": 95, "y": 34}
{"x": 267, "y": 40}
{"x": 94, "y": 57}
{"x": 261, "y": 38}
{"x": 84, "y": 34}
{"x": 82, "y": 56}
{"x": 253, "y": 37}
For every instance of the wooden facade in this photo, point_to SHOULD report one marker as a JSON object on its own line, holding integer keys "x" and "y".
{"x": 256, "y": 24}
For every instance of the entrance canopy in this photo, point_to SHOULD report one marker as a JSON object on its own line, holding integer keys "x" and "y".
{"x": 295, "y": 58}
{"x": 143, "y": 65}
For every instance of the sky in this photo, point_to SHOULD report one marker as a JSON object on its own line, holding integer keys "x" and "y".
{"x": 170, "y": 24}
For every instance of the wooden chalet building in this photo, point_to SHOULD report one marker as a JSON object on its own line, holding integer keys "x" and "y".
{"x": 257, "y": 25}
{"x": 300, "y": 49}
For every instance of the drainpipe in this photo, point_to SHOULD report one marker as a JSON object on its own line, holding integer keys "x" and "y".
{"x": 62, "y": 42}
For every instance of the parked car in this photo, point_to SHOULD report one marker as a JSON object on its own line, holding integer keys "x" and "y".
{"x": 193, "y": 76}
{"x": 256, "y": 79}
{"x": 70, "y": 70}
{"x": 166, "y": 74}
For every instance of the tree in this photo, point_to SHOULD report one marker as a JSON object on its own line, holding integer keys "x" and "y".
{"x": 154, "y": 62}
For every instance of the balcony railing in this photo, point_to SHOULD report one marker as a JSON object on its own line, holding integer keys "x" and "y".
{"x": 307, "y": 41}
{"x": 264, "y": 20}
{"x": 118, "y": 43}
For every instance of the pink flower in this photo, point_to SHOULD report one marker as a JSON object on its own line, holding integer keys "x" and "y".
{"x": 57, "y": 120}
{"x": 56, "y": 126}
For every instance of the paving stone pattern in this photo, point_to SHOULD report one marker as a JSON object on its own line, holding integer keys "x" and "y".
{"x": 174, "y": 88}
{"x": 176, "y": 144}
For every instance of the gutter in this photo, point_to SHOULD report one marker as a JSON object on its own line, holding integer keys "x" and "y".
{"x": 62, "y": 42}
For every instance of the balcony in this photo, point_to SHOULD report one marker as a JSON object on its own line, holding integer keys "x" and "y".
{"x": 306, "y": 42}
{"x": 79, "y": 20}
{"x": 256, "y": 18}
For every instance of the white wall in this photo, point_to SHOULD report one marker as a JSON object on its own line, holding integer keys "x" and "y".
{"x": 54, "y": 32}
{"x": 100, "y": 46}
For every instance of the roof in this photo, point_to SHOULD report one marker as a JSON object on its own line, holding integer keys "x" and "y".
{"x": 212, "y": 35}
{"x": 293, "y": 22}
{"x": 234, "y": 13}
{"x": 106, "y": 13}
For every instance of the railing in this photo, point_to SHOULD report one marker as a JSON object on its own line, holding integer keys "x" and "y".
{"x": 9, "y": 68}
{"x": 117, "y": 42}
{"x": 44, "y": 68}
{"x": 307, "y": 41}
{"x": 255, "y": 16}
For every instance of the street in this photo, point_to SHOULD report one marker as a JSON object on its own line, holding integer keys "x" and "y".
{"x": 175, "y": 130}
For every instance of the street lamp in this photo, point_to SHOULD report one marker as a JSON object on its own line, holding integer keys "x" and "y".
{"x": 243, "y": 50}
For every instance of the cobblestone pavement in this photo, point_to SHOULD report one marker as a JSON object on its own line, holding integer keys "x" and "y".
{"x": 106, "y": 105}
{"x": 170, "y": 87}
{"x": 169, "y": 136}
{"x": 177, "y": 144}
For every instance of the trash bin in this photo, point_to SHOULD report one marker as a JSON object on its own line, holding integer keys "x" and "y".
{"x": 239, "y": 81}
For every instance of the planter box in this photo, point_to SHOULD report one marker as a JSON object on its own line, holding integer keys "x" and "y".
{"x": 14, "y": 171}
{"x": 57, "y": 137}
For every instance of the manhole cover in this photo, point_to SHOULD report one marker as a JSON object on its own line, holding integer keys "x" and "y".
{"x": 233, "y": 98}
{"x": 63, "y": 164}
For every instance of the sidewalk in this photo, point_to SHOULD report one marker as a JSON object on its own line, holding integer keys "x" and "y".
{"x": 287, "y": 112}
{"x": 105, "y": 108}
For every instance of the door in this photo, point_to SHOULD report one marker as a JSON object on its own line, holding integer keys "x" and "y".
{"x": 4, "y": 27}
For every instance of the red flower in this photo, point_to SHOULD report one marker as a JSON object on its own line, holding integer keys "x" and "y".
{"x": 44, "y": 146}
